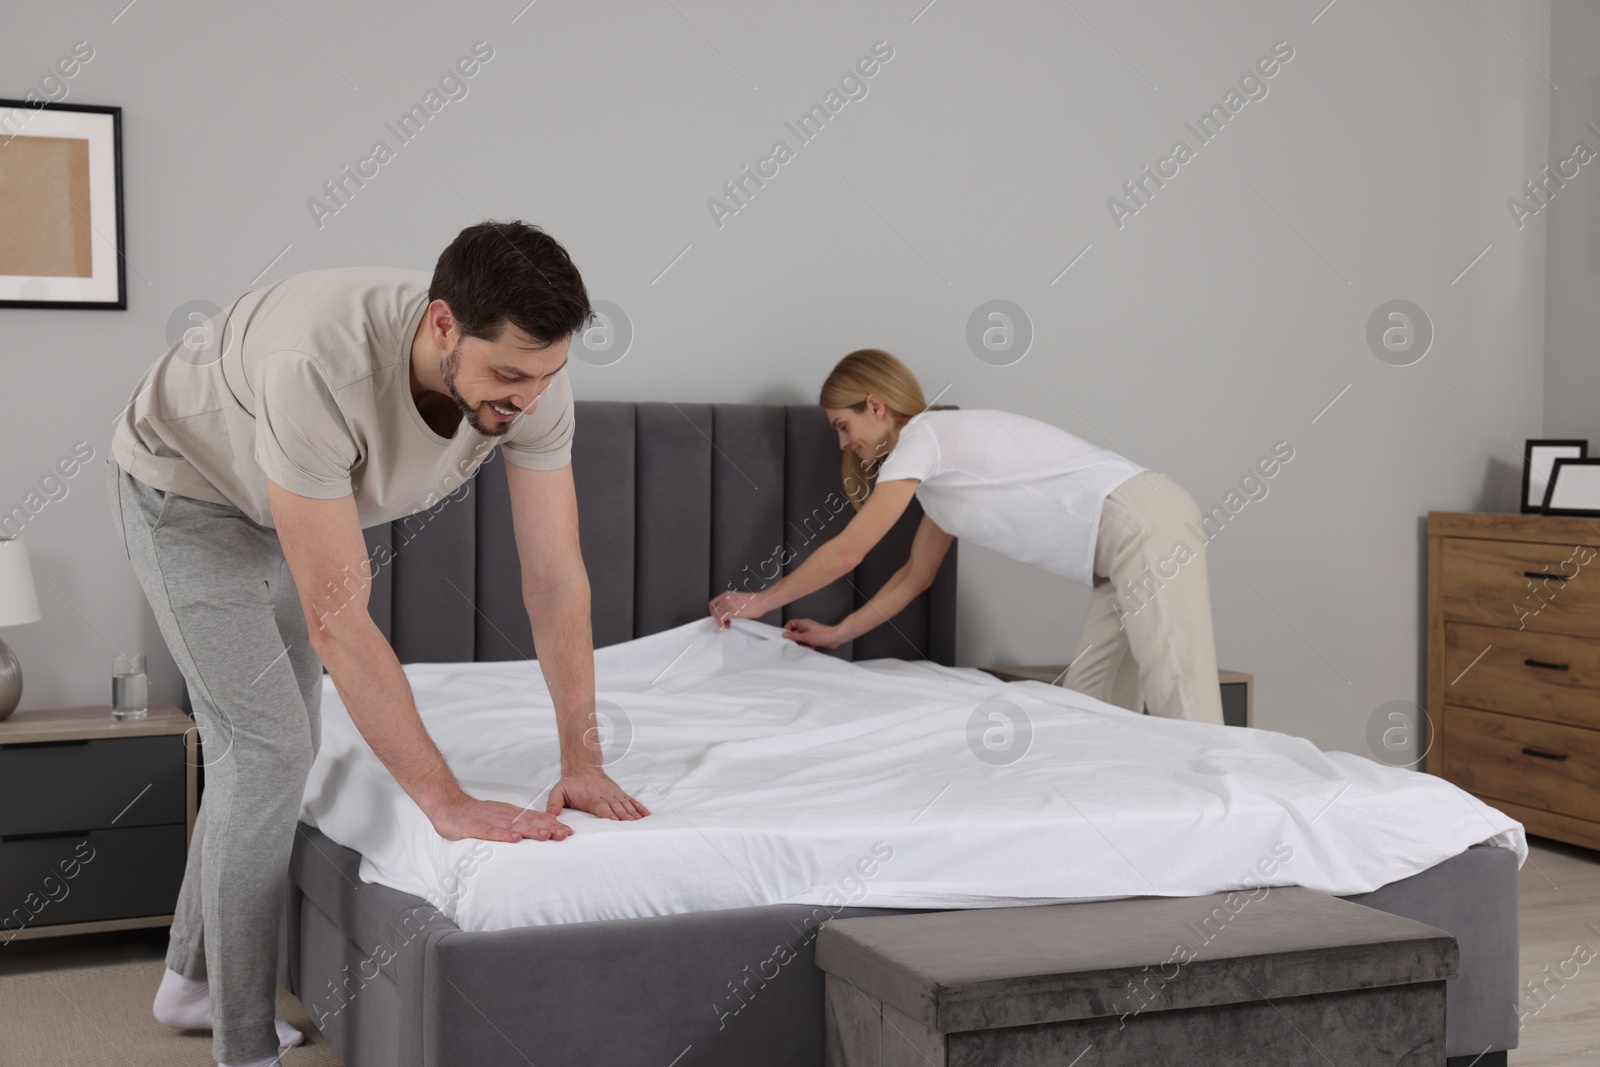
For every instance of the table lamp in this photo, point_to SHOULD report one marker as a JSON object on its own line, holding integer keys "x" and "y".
{"x": 18, "y": 604}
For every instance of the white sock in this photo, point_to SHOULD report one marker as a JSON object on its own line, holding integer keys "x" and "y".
{"x": 185, "y": 1004}
{"x": 287, "y": 1034}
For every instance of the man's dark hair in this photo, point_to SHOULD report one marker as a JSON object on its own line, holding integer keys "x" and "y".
{"x": 497, "y": 272}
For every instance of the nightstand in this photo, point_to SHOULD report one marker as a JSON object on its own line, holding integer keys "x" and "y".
{"x": 95, "y": 819}
{"x": 1238, "y": 688}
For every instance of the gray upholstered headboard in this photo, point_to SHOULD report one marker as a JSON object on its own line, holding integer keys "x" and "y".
{"x": 676, "y": 502}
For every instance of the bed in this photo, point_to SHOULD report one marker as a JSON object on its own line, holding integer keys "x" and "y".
{"x": 697, "y": 949}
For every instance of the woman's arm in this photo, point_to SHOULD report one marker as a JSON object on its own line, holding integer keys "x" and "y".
{"x": 928, "y": 550}
{"x": 884, "y": 506}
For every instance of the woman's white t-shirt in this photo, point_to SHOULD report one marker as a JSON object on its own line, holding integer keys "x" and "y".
{"x": 1024, "y": 488}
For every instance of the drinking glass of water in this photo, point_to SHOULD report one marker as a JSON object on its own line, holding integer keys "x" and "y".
{"x": 130, "y": 689}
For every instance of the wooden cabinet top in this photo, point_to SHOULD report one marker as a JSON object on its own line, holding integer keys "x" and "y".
{"x": 94, "y": 721}
{"x": 1515, "y": 526}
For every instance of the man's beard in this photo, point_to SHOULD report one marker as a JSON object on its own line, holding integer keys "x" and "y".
{"x": 447, "y": 371}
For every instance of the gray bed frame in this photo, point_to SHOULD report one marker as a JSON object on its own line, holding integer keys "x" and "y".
{"x": 677, "y": 502}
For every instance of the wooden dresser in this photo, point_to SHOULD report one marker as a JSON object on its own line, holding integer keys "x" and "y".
{"x": 1514, "y": 666}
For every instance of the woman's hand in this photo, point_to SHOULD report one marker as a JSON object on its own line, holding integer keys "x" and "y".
{"x": 812, "y": 633}
{"x": 830, "y": 560}
{"x": 736, "y": 605}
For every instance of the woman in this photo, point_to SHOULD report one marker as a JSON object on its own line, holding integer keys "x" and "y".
{"x": 1032, "y": 492}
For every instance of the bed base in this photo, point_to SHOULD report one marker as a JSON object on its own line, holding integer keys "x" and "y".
{"x": 391, "y": 981}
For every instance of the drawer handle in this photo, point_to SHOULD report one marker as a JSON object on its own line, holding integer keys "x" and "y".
{"x": 1557, "y": 756}
{"x": 1546, "y": 666}
{"x": 41, "y": 836}
{"x": 1547, "y": 574}
{"x": 46, "y": 744}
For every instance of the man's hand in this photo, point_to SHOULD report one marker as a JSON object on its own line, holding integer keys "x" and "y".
{"x": 494, "y": 820}
{"x": 736, "y": 605}
{"x": 595, "y": 793}
{"x": 812, "y": 633}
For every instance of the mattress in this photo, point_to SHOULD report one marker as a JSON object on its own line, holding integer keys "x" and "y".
{"x": 778, "y": 774}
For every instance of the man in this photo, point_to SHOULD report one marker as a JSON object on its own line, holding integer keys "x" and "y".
{"x": 243, "y": 472}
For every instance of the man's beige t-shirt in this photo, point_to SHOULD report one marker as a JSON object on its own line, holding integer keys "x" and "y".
{"x": 313, "y": 390}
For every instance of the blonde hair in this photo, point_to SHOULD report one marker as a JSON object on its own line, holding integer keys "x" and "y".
{"x": 870, "y": 370}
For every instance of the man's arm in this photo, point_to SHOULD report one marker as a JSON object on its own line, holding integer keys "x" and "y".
{"x": 555, "y": 590}
{"x": 322, "y": 542}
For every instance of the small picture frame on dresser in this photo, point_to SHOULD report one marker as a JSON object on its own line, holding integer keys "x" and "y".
{"x": 1574, "y": 487}
{"x": 1538, "y": 464}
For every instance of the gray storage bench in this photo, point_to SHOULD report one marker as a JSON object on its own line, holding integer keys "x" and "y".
{"x": 1284, "y": 976}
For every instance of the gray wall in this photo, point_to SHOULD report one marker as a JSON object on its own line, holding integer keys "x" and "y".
{"x": 1571, "y": 225}
{"x": 1222, "y": 317}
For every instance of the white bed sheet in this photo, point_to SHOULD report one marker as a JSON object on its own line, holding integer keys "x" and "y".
{"x": 779, "y": 774}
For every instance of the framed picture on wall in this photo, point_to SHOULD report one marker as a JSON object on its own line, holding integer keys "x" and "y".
{"x": 61, "y": 207}
{"x": 1574, "y": 487}
{"x": 1538, "y": 462}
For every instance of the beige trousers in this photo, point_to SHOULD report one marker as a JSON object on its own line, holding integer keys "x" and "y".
{"x": 1147, "y": 639}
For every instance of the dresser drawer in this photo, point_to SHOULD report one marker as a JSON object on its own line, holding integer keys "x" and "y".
{"x": 1521, "y": 585}
{"x": 50, "y": 786}
{"x": 90, "y": 877}
{"x": 1523, "y": 672}
{"x": 1542, "y": 765}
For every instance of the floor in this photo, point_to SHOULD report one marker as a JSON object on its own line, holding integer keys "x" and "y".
{"x": 85, "y": 1000}
{"x": 1560, "y": 1007}
{"x": 1559, "y": 895}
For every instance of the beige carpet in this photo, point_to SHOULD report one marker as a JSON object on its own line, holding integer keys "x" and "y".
{"x": 86, "y": 1016}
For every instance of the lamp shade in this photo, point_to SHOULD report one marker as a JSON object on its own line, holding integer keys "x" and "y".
{"x": 18, "y": 601}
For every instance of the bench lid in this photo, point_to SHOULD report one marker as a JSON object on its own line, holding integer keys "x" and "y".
{"x": 991, "y": 967}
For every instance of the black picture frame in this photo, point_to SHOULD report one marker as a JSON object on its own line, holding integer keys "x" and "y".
{"x": 117, "y": 229}
{"x": 1535, "y": 444}
{"x": 1555, "y": 474}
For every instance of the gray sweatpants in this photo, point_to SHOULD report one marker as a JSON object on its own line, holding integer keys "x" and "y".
{"x": 228, "y": 609}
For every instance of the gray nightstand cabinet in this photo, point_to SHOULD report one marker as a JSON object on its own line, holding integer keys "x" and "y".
{"x": 95, "y": 818}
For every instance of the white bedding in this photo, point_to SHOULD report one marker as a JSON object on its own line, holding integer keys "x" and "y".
{"x": 779, "y": 774}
